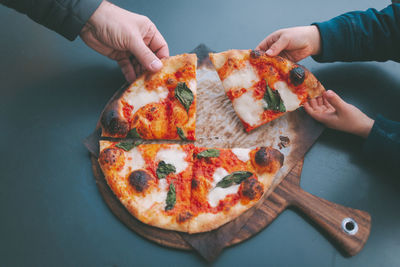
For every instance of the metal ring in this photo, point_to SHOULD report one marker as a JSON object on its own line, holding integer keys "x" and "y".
{"x": 349, "y": 226}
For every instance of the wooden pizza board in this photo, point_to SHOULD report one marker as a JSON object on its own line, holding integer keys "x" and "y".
{"x": 348, "y": 228}
{"x": 224, "y": 131}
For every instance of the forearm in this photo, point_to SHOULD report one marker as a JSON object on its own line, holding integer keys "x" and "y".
{"x": 66, "y": 17}
{"x": 361, "y": 36}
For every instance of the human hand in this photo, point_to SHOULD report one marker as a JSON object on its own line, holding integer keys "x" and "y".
{"x": 130, "y": 39}
{"x": 293, "y": 43}
{"x": 332, "y": 111}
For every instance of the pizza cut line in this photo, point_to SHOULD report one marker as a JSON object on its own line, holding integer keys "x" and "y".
{"x": 183, "y": 187}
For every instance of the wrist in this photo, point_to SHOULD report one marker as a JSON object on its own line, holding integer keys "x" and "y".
{"x": 315, "y": 40}
{"x": 366, "y": 127}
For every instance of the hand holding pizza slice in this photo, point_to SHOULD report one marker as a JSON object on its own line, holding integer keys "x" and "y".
{"x": 263, "y": 88}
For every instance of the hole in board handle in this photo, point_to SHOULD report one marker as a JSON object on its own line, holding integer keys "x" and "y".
{"x": 349, "y": 226}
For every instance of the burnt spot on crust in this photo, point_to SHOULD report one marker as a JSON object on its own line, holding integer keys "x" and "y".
{"x": 112, "y": 158}
{"x": 184, "y": 216}
{"x": 256, "y": 53}
{"x": 139, "y": 180}
{"x": 113, "y": 124}
{"x": 265, "y": 155}
{"x": 195, "y": 183}
{"x": 252, "y": 188}
{"x": 297, "y": 75}
{"x": 261, "y": 157}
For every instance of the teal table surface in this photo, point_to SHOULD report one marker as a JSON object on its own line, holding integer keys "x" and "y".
{"x": 52, "y": 92}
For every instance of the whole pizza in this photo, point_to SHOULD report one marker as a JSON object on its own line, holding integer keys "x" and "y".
{"x": 182, "y": 187}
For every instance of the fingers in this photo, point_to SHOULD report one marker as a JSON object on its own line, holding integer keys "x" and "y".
{"x": 313, "y": 103}
{"x": 278, "y": 46}
{"x": 145, "y": 56}
{"x": 320, "y": 101}
{"x": 319, "y": 113}
{"x": 159, "y": 45}
{"x": 334, "y": 100}
{"x": 311, "y": 110}
{"x": 268, "y": 41}
{"x": 127, "y": 69}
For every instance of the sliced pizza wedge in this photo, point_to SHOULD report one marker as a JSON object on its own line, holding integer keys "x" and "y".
{"x": 160, "y": 105}
{"x": 227, "y": 182}
{"x": 263, "y": 88}
{"x": 151, "y": 180}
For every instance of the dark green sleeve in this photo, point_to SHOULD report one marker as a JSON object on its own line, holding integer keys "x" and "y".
{"x": 383, "y": 142}
{"x": 361, "y": 36}
{"x": 66, "y": 17}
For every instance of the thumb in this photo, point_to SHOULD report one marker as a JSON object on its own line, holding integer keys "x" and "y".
{"x": 277, "y": 47}
{"x": 145, "y": 56}
{"x": 335, "y": 100}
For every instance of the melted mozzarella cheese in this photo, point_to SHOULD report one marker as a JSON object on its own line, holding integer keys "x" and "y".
{"x": 175, "y": 156}
{"x": 242, "y": 153}
{"x": 241, "y": 78}
{"x": 219, "y": 173}
{"x": 290, "y": 99}
{"x": 248, "y": 108}
{"x": 218, "y": 193}
{"x": 140, "y": 96}
{"x": 157, "y": 195}
{"x": 134, "y": 160}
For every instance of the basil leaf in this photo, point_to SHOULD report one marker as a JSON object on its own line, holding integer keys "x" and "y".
{"x": 133, "y": 134}
{"x": 171, "y": 197}
{"x": 235, "y": 177}
{"x": 181, "y": 133}
{"x": 164, "y": 169}
{"x": 209, "y": 153}
{"x": 273, "y": 100}
{"x": 184, "y": 95}
{"x": 128, "y": 145}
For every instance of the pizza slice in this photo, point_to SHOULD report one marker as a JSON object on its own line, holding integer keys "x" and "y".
{"x": 151, "y": 180}
{"x": 159, "y": 105}
{"x": 263, "y": 88}
{"x": 227, "y": 182}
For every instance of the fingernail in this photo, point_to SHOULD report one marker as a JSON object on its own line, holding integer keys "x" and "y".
{"x": 156, "y": 65}
{"x": 269, "y": 52}
{"x": 329, "y": 92}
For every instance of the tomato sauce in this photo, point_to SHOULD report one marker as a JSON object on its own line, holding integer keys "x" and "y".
{"x": 229, "y": 66}
{"x": 127, "y": 110}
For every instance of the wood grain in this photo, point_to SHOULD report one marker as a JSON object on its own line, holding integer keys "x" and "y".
{"x": 328, "y": 216}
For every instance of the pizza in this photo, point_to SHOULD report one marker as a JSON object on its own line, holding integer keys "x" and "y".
{"x": 179, "y": 186}
{"x": 160, "y": 105}
{"x": 152, "y": 181}
{"x": 225, "y": 186}
{"x": 184, "y": 187}
{"x": 263, "y": 88}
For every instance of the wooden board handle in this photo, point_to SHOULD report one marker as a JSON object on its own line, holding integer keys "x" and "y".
{"x": 348, "y": 227}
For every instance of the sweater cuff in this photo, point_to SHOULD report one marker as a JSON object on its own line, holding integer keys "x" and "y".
{"x": 333, "y": 48}
{"x": 383, "y": 142}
